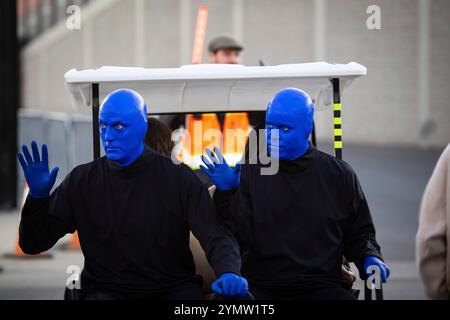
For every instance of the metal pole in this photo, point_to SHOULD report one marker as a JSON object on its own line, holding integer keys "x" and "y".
{"x": 379, "y": 292}
{"x": 95, "y": 128}
{"x": 313, "y": 135}
{"x": 367, "y": 292}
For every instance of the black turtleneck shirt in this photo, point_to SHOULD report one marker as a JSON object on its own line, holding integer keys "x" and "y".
{"x": 133, "y": 224}
{"x": 295, "y": 226}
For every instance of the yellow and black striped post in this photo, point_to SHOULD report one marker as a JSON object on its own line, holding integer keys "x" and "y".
{"x": 337, "y": 118}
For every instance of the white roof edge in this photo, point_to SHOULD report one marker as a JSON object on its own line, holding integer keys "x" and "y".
{"x": 214, "y": 71}
{"x": 212, "y": 87}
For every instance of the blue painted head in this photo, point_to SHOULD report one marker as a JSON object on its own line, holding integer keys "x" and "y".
{"x": 291, "y": 111}
{"x": 123, "y": 124}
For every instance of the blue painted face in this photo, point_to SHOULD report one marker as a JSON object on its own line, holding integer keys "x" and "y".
{"x": 123, "y": 124}
{"x": 291, "y": 111}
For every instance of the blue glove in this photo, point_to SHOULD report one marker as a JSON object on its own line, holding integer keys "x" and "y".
{"x": 374, "y": 261}
{"x": 39, "y": 179}
{"x": 220, "y": 173}
{"x": 230, "y": 285}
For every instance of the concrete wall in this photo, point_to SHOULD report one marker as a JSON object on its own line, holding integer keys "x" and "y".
{"x": 396, "y": 103}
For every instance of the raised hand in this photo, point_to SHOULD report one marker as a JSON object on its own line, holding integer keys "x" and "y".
{"x": 224, "y": 177}
{"x": 40, "y": 180}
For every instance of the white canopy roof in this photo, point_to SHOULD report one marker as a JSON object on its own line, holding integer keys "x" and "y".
{"x": 212, "y": 87}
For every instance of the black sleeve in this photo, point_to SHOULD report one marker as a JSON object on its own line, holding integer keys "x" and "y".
{"x": 360, "y": 241}
{"x": 45, "y": 220}
{"x": 234, "y": 207}
{"x": 218, "y": 242}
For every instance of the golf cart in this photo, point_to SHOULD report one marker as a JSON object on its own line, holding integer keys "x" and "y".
{"x": 209, "y": 88}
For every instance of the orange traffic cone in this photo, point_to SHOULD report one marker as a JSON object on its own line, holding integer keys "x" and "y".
{"x": 74, "y": 243}
{"x": 17, "y": 252}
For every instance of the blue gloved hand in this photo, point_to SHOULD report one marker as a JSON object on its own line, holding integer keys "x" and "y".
{"x": 224, "y": 177}
{"x": 374, "y": 261}
{"x": 40, "y": 180}
{"x": 230, "y": 285}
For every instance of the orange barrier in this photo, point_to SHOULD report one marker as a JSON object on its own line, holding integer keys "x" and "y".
{"x": 17, "y": 251}
{"x": 204, "y": 132}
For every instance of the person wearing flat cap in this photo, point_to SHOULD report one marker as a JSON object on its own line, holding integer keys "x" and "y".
{"x": 224, "y": 50}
